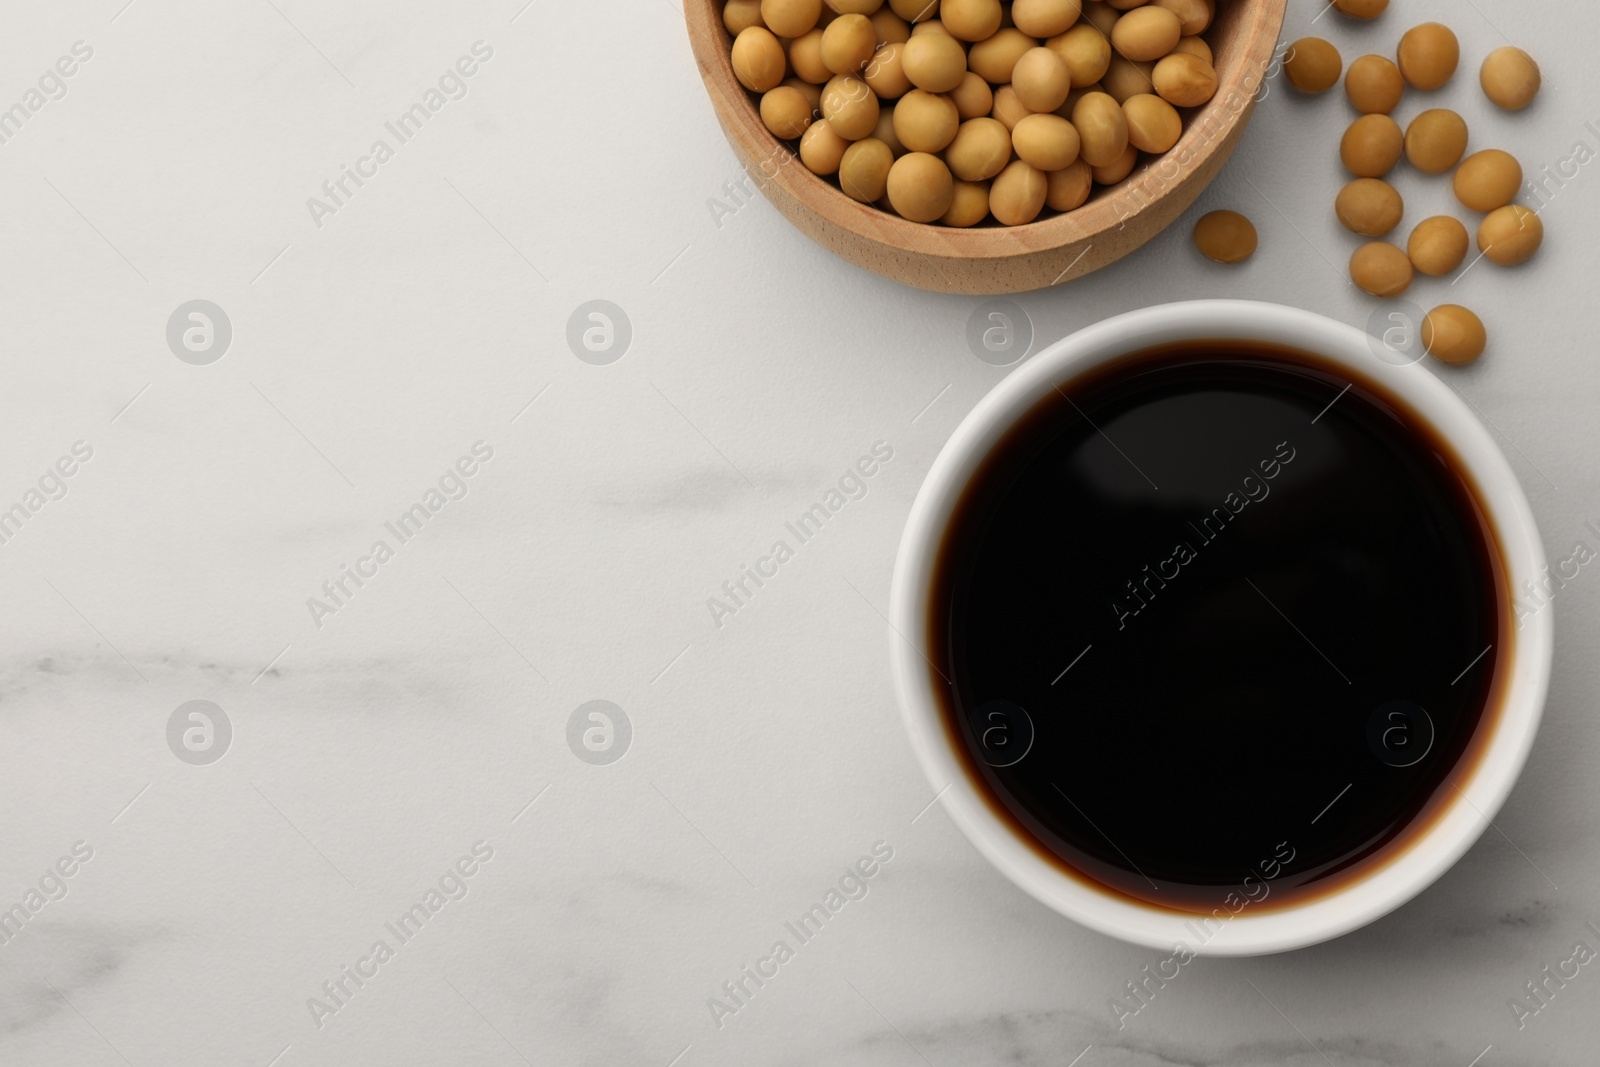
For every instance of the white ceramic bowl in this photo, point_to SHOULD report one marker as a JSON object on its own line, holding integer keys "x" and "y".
{"x": 1482, "y": 789}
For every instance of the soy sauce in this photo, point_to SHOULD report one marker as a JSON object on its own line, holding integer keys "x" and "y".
{"x": 1220, "y": 625}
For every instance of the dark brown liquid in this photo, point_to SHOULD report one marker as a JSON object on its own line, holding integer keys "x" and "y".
{"x": 1206, "y": 633}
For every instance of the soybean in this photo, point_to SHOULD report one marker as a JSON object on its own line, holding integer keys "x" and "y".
{"x": 1118, "y": 168}
{"x": 1370, "y": 207}
{"x": 1124, "y": 79}
{"x": 1196, "y": 46}
{"x": 758, "y": 59}
{"x": 1381, "y": 269}
{"x": 886, "y": 74}
{"x": 848, "y": 44}
{"x": 884, "y": 131}
{"x": 1453, "y": 334}
{"x": 971, "y": 20}
{"x": 1146, "y": 33}
{"x": 972, "y": 97}
{"x": 1371, "y": 146}
{"x": 1361, "y": 9}
{"x": 1042, "y": 81}
{"x": 821, "y": 149}
{"x": 812, "y": 93}
{"x": 1184, "y": 80}
{"x": 1194, "y": 16}
{"x": 1045, "y": 18}
{"x": 1069, "y": 188}
{"x": 1102, "y": 129}
{"x": 926, "y": 122}
{"x": 1510, "y": 78}
{"x": 864, "y": 170}
{"x": 1086, "y": 52}
{"x": 1313, "y": 65}
{"x": 1008, "y": 107}
{"x": 920, "y": 187}
{"x": 1225, "y": 236}
{"x": 805, "y": 58}
{"x": 995, "y": 58}
{"x": 790, "y": 18}
{"x": 1017, "y": 194}
{"x": 1101, "y": 16}
{"x": 981, "y": 149}
{"x": 1488, "y": 179}
{"x": 1436, "y": 140}
{"x": 1510, "y": 235}
{"x": 969, "y": 204}
{"x": 934, "y": 62}
{"x": 785, "y": 111}
{"x": 915, "y": 11}
{"x": 1153, "y": 124}
{"x": 1438, "y": 245}
{"x": 890, "y": 28}
{"x": 850, "y": 106}
{"x": 1047, "y": 142}
{"x": 1428, "y": 55}
{"x": 1374, "y": 85}
{"x": 740, "y": 15}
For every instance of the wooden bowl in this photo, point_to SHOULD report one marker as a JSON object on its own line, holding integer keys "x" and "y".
{"x": 992, "y": 258}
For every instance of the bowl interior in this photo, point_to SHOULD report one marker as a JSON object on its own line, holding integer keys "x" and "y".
{"x": 1242, "y": 39}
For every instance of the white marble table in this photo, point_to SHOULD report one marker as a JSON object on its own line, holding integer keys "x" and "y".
{"x": 377, "y": 742}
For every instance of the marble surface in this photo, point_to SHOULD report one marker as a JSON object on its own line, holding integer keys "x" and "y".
{"x": 376, "y": 743}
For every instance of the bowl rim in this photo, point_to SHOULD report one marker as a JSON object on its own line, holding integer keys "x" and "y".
{"x": 1401, "y": 876}
{"x": 1242, "y": 74}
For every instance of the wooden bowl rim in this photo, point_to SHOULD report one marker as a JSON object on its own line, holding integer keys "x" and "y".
{"x": 711, "y": 42}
